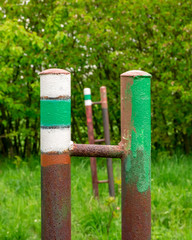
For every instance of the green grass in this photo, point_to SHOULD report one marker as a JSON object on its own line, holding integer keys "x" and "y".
{"x": 91, "y": 219}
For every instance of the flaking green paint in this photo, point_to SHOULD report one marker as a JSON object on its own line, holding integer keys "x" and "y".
{"x": 138, "y": 162}
{"x": 87, "y": 97}
{"x": 55, "y": 112}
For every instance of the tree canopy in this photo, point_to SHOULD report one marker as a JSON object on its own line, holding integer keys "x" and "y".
{"x": 96, "y": 41}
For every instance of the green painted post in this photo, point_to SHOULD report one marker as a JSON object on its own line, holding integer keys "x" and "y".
{"x": 136, "y": 163}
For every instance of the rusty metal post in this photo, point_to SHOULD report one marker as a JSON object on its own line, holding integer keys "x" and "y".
{"x": 104, "y": 106}
{"x": 55, "y": 158}
{"x": 136, "y": 163}
{"x": 88, "y": 106}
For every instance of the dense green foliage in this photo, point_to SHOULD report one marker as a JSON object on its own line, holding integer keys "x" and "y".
{"x": 96, "y": 41}
{"x": 171, "y": 201}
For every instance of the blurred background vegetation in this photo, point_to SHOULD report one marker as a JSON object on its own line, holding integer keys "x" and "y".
{"x": 96, "y": 41}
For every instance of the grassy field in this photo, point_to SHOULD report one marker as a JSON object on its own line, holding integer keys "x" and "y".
{"x": 92, "y": 219}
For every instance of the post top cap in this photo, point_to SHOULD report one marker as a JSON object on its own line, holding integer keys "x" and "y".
{"x": 54, "y": 71}
{"x": 102, "y": 87}
{"x": 134, "y": 73}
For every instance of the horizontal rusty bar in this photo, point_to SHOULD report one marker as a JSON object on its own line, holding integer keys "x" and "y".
{"x": 99, "y": 140}
{"x": 103, "y": 181}
{"x": 92, "y": 150}
{"x": 94, "y": 103}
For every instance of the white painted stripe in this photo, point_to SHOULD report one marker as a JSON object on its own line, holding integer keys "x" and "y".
{"x": 87, "y": 91}
{"x": 55, "y": 85}
{"x": 88, "y": 102}
{"x": 55, "y": 140}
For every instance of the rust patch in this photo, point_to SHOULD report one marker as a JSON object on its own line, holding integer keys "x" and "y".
{"x": 136, "y": 213}
{"x": 56, "y": 202}
{"x": 92, "y": 150}
{"x": 54, "y": 159}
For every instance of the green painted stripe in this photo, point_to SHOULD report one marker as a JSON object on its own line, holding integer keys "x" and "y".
{"x": 87, "y": 97}
{"x": 55, "y": 113}
{"x": 138, "y": 162}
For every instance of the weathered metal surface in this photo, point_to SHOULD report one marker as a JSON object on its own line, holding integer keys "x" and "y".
{"x": 93, "y": 162}
{"x": 91, "y": 150}
{"x": 104, "y": 106}
{"x": 136, "y": 224}
{"x": 56, "y": 199}
{"x": 136, "y": 167}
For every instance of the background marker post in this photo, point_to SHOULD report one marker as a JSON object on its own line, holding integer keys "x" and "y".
{"x": 55, "y": 115}
{"x": 104, "y": 106}
{"x": 88, "y": 106}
